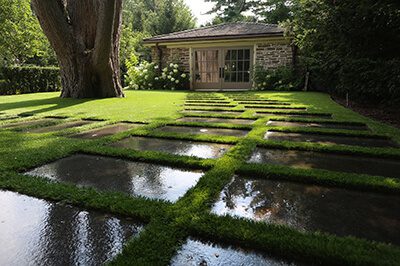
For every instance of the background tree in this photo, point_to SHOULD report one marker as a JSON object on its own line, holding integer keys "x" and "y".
{"x": 21, "y": 39}
{"x": 85, "y": 36}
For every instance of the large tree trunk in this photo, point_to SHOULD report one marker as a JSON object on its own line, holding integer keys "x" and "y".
{"x": 85, "y": 35}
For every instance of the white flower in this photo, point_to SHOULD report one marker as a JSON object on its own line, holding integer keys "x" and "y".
{"x": 268, "y": 76}
{"x": 172, "y": 79}
{"x": 265, "y": 83}
{"x": 172, "y": 88}
{"x": 169, "y": 77}
{"x": 280, "y": 82}
{"x": 171, "y": 65}
{"x": 175, "y": 70}
{"x": 183, "y": 75}
{"x": 146, "y": 77}
{"x": 156, "y": 78}
{"x": 150, "y": 85}
{"x": 145, "y": 71}
{"x": 156, "y": 67}
{"x": 165, "y": 69}
{"x": 171, "y": 73}
{"x": 176, "y": 81}
{"x": 176, "y": 66}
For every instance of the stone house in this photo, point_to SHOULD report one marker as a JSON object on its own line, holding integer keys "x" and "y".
{"x": 222, "y": 57}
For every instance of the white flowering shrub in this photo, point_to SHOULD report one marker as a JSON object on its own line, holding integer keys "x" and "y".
{"x": 173, "y": 77}
{"x": 147, "y": 76}
{"x": 142, "y": 77}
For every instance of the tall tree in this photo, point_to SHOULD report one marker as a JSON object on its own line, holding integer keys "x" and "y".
{"x": 21, "y": 39}
{"x": 85, "y": 36}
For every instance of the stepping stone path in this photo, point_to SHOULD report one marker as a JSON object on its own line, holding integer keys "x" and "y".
{"x": 47, "y": 233}
{"x": 195, "y": 252}
{"x": 308, "y": 208}
{"x": 109, "y": 174}
{"x": 179, "y": 147}
{"x": 31, "y": 123}
{"x": 59, "y": 127}
{"x": 304, "y": 207}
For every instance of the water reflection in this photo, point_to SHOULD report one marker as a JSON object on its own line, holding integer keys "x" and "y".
{"x": 333, "y": 162}
{"x": 204, "y": 130}
{"x": 178, "y": 147}
{"x": 37, "y": 232}
{"x": 313, "y": 208}
{"x": 103, "y": 173}
{"x": 195, "y": 253}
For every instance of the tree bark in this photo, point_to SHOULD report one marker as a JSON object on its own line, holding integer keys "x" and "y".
{"x": 85, "y": 36}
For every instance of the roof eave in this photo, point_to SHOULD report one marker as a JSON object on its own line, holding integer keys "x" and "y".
{"x": 211, "y": 38}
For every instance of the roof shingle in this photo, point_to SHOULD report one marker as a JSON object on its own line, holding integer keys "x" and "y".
{"x": 222, "y": 31}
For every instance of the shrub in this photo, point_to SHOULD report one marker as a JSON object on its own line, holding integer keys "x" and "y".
{"x": 282, "y": 78}
{"x": 147, "y": 76}
{"x": 31, "y": 79}
{"x": 174, "y": 77}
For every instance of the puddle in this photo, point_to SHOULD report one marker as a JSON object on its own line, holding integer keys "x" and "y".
{"x": 313, "y": 208}
{"x": 209, "y": 105}
{"x": 136, "y": 179}
{"x": 38, "y": 232}
{"x": 328, "y": 161}
{"x": 317, "y": 125}
{"x": 205, "y": 130}
{"x": 30, "y": 123}
{"x": 216, "y": 120}
{"x": 264, "y": 109}
{"x": 262, "y": 103}
{"x": 195, "y": 252}
{"x": 214, "y": 112}
{"x": 58, "y": 127}
{"x": 330, "y": 139}
{"x": 106, "y": 131}
{"x": 300, "y": 115}
{"x": 179, "y": 147}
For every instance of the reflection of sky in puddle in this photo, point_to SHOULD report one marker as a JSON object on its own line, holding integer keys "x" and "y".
{"x": 313, "y": 208}
{"x": 41, "y": 233}
{"x": 194, "y": 253}
{"x": 104, "y": 173}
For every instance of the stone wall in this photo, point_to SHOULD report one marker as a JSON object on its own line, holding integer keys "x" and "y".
{"x": 271, "y": 56}
{"x": 172, "y": 55}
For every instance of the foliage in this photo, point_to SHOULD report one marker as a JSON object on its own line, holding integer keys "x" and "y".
{"x": 147, "y": 76}
{"x": 282, "y": 78}
{"x": 30, "y": 79}
{"x": 21, "y": 39}
{"x": 267, "y": 11}
{"x": 350, "y": 46}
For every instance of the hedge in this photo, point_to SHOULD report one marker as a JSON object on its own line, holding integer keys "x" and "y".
{"x": 30, "y": 79}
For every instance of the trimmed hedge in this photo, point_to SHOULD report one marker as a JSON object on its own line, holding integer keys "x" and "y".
{"x": 30, "y": 79}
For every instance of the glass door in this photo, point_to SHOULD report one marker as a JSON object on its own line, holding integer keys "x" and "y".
{"x": 237, "y": 68}
{"x": 207, "y": 69}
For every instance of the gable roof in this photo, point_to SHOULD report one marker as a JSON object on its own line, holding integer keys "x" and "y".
{"x": 221, "y": 31}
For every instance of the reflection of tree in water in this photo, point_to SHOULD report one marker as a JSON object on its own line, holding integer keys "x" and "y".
{"x": 313, "y": 208}
{"x": 77, "y": 237}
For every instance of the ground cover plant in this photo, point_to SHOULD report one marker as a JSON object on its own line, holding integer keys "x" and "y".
{"x": 168, "y": 225}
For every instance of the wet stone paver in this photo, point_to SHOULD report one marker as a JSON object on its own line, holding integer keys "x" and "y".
{"x": 209, "y": 105}
{"x": 106, "y": 131}
{"x": 317, "y": 125}
{"x": 205, "y": 130}
{"x": 179, "y": 147}
{"x": 38, "y": 232}
{"x": 59, "y": 127}
{"x": 328, "y": 161}
{"x": 214, "y": 112}
{"x": 196, "y": 252}
{"x": 313, "y": 208}
{"x": 263, "y": 103}
{"x": 275, "y": 108}
{"x": 216, "y": 120}
{"x": 330, "y": 139}
{"x": 30, "y": 123}
{"x": 300, "y": 115}
{"x": 110, "y": 174}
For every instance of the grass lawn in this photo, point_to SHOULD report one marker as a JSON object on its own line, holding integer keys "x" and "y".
{"x": 169, "y": 225}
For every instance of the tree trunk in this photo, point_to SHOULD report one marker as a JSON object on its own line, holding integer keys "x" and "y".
{"x": 85, "y": 35}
